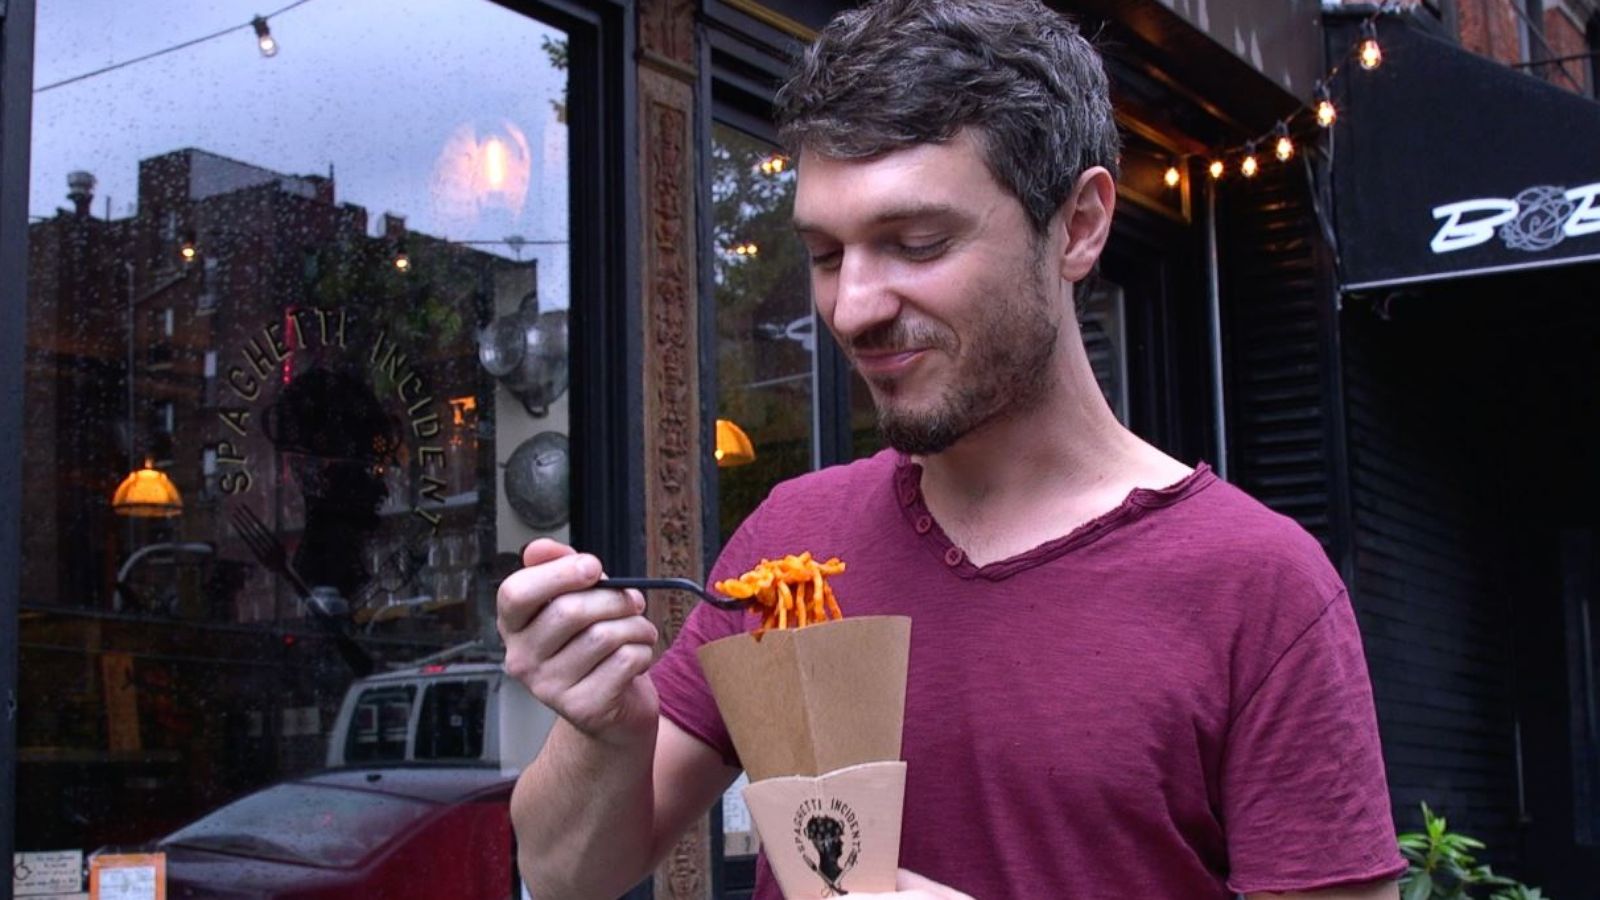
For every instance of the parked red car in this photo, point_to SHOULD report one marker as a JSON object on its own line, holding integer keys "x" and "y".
{"x": 404, "y": 833}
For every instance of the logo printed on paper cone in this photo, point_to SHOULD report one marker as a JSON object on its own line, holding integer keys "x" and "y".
{"x": 827, "y": 835}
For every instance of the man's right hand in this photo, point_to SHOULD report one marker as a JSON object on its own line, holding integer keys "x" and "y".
{"x": 582, "y": 652}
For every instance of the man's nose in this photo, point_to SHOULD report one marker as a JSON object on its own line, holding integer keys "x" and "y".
{"x": 863, "y": 298}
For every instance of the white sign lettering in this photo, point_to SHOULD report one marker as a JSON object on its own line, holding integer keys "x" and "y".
{"x": 1456, "y": 234}
{"x": 1537, "y": 219}
{"x": 1586, "y": 218}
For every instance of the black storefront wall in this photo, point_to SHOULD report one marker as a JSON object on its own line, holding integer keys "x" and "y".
{"x": 1447, "y": 164}
{"x": 1467, "y": 234}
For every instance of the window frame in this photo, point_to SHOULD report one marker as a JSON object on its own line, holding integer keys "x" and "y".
{"x": 16, "y": 109}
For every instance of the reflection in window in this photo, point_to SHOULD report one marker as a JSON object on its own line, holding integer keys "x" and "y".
{"x": 282, "y": 282}
{"x": 1102, "y": 320}
{"x": 766, "y": 332}
{"x": 319, "y": 824}
{"x": 380, "y": 725}
{"x": 451, "y": 723}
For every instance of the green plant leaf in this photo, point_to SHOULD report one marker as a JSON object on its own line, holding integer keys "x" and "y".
{"x": 1420, "y": 888}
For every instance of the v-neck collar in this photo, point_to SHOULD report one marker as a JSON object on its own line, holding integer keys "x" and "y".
{"x": 914, "y": 508}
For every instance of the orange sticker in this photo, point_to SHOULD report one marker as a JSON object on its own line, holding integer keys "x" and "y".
{"x": 128, "y": 876}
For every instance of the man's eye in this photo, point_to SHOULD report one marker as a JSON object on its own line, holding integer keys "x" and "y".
{"x": 829, "y": 260}
{"x": 922, "y": 250}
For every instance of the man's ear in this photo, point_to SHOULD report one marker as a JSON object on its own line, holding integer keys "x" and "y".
{"x": 1087, "y": 216}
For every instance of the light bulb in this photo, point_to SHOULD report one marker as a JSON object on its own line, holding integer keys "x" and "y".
{"x": 1215, "y": 168}
{"x": 495, "y": 164}
{"x": 1371, "y": 54}
{"x": 1368, "y": 51}
{"x": 264, "y": 38}
{"x": 1172, "y": 177}
{"x": 1249, "y": 166}
{"x": 1283, "y": 147}
{"x": 1326, "y": 114}
{"x": 402, "y": 262}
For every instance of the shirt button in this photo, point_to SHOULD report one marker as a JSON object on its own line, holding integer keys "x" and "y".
{"x": 909, "y": 496}
{"x": 953, "y": 556}
{"x": 924, "y": 524}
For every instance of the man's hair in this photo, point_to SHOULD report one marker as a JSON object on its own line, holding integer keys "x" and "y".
{"x": 896, "y": 73}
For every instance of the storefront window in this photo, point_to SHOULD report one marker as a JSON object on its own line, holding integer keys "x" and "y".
{"x": 1103, "y": 321}
{"x": 296, "y": 390}
{"x": 766, "y": 332}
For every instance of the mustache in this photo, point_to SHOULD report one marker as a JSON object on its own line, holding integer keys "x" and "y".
{"x": 899, "y": 335}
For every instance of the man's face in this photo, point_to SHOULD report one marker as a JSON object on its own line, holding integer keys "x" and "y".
{"x": 929, "y": 276}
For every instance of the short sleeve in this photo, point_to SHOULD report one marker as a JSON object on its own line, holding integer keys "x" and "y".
{"x": 1305, "y": 802}
{"x": 686, "y": 698}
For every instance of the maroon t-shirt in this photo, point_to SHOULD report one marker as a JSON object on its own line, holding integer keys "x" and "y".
{"x": 1169, "y": 702}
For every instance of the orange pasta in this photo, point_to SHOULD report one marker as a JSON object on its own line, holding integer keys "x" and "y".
{"x": 788, "y": 592}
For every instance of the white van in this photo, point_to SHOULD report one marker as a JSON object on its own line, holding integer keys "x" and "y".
{"x": 468, "y": 713}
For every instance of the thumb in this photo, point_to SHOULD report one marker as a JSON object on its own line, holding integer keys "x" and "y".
{"x": 544, "y": 550}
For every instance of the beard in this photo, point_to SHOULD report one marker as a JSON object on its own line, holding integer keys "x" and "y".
{"x": 1004, "y": 369}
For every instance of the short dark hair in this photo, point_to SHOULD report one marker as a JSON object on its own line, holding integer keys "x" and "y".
{"x": 896, "y": 73}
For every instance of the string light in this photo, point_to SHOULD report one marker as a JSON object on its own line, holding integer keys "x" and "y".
{"x": 402, "y": 261}
{"x": 774, "y": 164}
{"x": 268, "y": 47}
{"x": 1368, "y": 52}
{"x": 1283, "y": 147}
{"x": 187, "y": 251}
{"x": 747, "y": 248}
{"x": 1326, "y": 113}
{"x": 264, "y": 38}
{"x": 1172, "y": 177}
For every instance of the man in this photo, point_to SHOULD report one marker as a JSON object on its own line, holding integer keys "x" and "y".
{"x": 1127, "y": 679}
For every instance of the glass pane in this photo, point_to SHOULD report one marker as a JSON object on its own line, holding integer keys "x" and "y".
{"x": 451, "y": 724}
{"x": 864, "y": 437}
{"x": 766, "y": 333}
{"x": 1103, "y": 322}
{"x": 379, "y": 725}
{"x": 297, "y": 380}
{"x": 310, "y": 824}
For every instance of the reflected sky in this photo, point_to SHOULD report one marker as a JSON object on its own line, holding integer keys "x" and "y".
{"x": 441, "y": 113}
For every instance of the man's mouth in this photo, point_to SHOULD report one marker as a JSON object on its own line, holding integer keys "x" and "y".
{"x": 884, "y": 363}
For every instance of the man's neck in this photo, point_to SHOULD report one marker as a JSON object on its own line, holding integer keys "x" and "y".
{"x": 1022, "y": 479}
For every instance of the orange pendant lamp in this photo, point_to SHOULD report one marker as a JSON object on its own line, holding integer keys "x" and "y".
{"x": 147, "y": 493}
{"x": 733, "y": 445}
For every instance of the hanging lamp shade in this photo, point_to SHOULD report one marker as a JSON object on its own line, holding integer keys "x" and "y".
{"x": 733, "y": 445}
{"x": 147, "y": 493}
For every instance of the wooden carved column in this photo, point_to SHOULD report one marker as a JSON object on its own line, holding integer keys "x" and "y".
{"x": 667, "y": 87}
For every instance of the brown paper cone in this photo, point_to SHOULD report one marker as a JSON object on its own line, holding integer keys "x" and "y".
{"x": 814, "y": 699}
{"x": 832, "y": 835}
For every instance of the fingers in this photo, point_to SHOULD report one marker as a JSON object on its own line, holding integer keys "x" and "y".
{"x": 571, "y": 639}
{"x": 578, "y": 650}
{"x": 526, "y": 591}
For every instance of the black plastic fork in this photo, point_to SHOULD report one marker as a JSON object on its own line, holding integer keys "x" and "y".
{"x": 674, "y": 584}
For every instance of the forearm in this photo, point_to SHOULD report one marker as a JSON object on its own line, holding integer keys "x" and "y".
{"x": 584, "y": 816}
